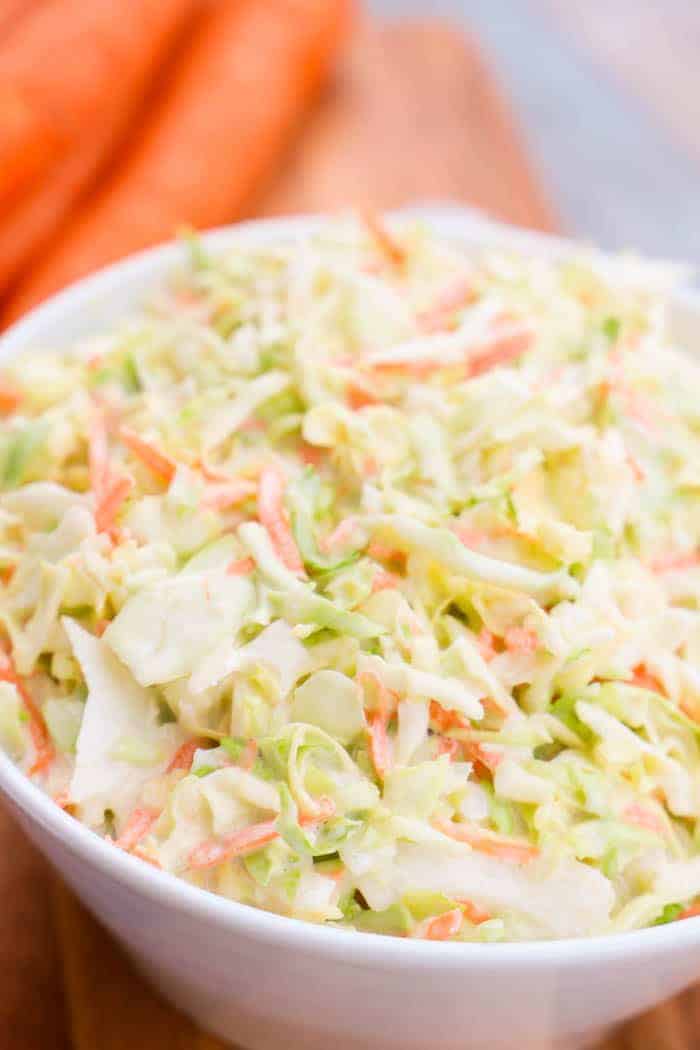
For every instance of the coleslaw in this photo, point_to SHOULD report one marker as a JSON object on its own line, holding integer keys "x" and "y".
{"x": 357, "y": 578}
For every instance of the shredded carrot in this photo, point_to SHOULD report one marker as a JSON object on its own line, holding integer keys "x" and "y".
{"x": 341, "y": 534}
{"x": 248, "y": 756}
{"x": 636, "y": 468}
{"x": 311, "y": 455}
{"x": 110, "y": 500}
{"x": 473, "y": 912}
{"x": 388, "y": 245}
{"x": 44, "y": 751}
{"x": 446, "y": 719}
{"x": 472, "y": 538}
{"x": 216, "y": 851}
{"x": 486, "y": 641}
{"x": 10, "y": 398}
{"x": 439, "y": 315}
{"x": 239, "y": 844}
{"x": 450, "y": 747}
{"x": 63, "y": 800}
{"x": 384, "y": 581}
{"x": 183, "y": 757}
{"x": 211, "y": 473}
{"x": 378, "y": 722}
{"x": 489, "y": 842}
{"x": 379, "y": 743}
{"x": 7, "y": 573}
{"x": 229, "y": 494}
{"x": 275, "y": 519}
{"x": 358, "y": 397}
{"x": 484, "y": 758}
{"x": 241, "y": 567}
{"x": 151, "y": 457}
{"x": 142, "y": 855}
{"x": 382, "y": 552}
{"x": 690, "y": 912}
{"x": 137, "y": 827}
{"x": 444, "y": 926}
{"x": 501, "y": 350}
{"x": 672, "y": 562}
{"x": 645, "y": 680}
{"x": 642, "y": 817}
{"x": 521, "y": 640}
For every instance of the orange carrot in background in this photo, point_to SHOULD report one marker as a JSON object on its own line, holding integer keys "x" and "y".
{"x": 66, "y": 67}
{"x": 36, "y": 217}
{"x": 10, "y": 11}
{"x": 249, "y": 75}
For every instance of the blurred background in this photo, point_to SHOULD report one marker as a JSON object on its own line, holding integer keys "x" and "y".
{"x": 607, "y": 96}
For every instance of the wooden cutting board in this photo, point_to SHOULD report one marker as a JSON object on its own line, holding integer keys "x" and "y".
{"x": 414, "y": 116}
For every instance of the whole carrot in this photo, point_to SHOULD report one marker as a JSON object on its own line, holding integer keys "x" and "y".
{"x": 251, "y": 71}
{"x": 10, "y": 11}
{"x": 63, "y": 63}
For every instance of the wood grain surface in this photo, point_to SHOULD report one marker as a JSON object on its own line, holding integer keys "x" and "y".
{"x": 415, "y": 115}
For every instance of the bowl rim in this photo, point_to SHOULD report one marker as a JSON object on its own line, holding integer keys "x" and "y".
{"x": 367, "y": 949}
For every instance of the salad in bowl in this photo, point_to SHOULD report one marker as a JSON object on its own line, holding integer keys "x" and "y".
{"x": 356, "y": 578}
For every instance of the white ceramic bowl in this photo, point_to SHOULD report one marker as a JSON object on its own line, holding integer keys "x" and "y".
{"x": 264, "y": 981}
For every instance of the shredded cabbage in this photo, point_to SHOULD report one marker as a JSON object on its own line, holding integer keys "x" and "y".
{"x": 358, "y": 579}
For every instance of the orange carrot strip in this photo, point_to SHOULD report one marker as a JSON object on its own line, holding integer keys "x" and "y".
{"x": 383, "y": 581}
{"x": 381, "y": 552}
{"x": 49, "y": 99}
{"x": 216, "y": 851}
{"x": 645, "y": 680}
{"x": 182, "y": 759}
{"x": 10, "y": 398}
{"x": 137, "y": 827}
{"x": 379, "y": 743}
{"x": 250, "y": 73}
{"x": 385, "y": 241}
{"x": 673, "y": 562}
{"x": 444, "y": 926}
{"x": 273, "y": 516}
{"x": 377, "y": 724}
{"x": 114, "y": 494}
{"x": 229, "y": 494}
{"x": 690, "y": 912}
{"x": 486, "y": 642}
{"x": 44, "y": 750}
{"x": 484, "y": 758}
{"x": 357, "y": 397}
{"x": 151, "y": 457}
{"x": 341, "y": 534}
{"x": 445, "y": 719}
{"x": 239, "y": 844}
{"x": 642, "y": 817}
{"x": 473, "y": 912}
{"x": 489, "y": 842}
{"x": 450, "y": 747}
{"x": 468, "y": 536}
{"x": 142, "y": 855}
{"x": 437, "y": 317}
{"x": 501, "y": 350}
{"x": 521, "y": 640}
{"x": 241, "y": 567}
{"x": 248, "y": 755}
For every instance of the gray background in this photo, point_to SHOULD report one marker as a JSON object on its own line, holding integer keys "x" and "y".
{"x": 606, "y": 92}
